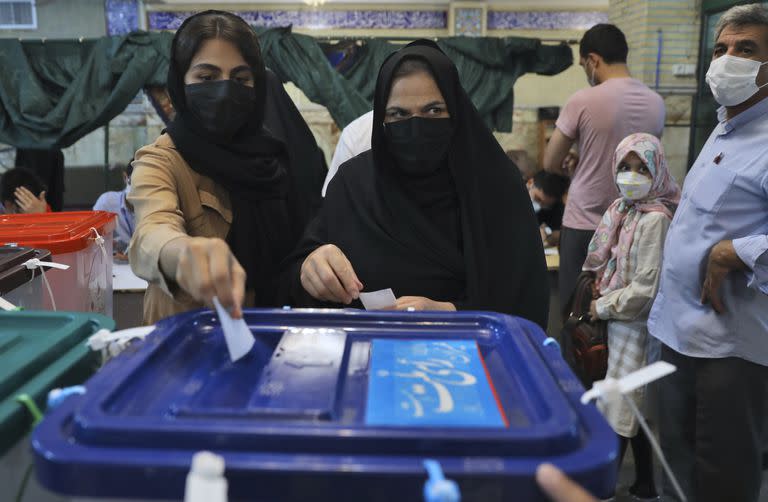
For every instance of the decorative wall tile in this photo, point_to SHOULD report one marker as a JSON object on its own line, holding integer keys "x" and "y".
{"x": 510, "y": 20}
{"x": 468, "y": 22}
{"x": 122, "y": 16}
{"x": 320, "y": 19}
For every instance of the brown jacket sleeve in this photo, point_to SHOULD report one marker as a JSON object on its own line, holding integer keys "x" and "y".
{"x": 159, "y": 218}
{"x": 171, "y": 201}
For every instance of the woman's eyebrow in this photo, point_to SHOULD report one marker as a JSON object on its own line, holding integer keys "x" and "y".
{"x": 206, "y": 66}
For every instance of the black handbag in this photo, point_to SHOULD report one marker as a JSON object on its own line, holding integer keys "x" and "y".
{"x": 585, "y": 340}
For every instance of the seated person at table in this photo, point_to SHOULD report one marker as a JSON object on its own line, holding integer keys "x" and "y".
{"x": 435, "y": 210}
{"x": 547, "y": 193}
{"x": 22, "y": 192}
{"x": 117, "y": 202}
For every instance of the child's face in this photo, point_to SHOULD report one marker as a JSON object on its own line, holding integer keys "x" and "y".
{"x": 633, "y": 163}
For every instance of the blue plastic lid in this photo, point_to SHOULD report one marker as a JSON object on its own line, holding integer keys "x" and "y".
{"x": 334, "y": 391}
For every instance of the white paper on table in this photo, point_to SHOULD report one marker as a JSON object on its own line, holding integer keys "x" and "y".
{"x": 123, "y": 279}
{"x": 238, "y": 336}
{"x": 378, "y": 300}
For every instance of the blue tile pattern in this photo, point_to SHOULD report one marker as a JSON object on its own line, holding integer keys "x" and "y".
{"x": 320, "y": 19}
{"x": 468, "y": 22}
{"x": 122, "y": 16}
{"x": 555, "y": 20}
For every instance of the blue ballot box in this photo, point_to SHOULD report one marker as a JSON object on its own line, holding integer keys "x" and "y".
{"x": 331, "y": 405}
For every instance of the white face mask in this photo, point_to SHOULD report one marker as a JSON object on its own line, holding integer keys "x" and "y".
{"x": 733, "y": 80}
{"x": 536, "y": 206}
{"x": 591, "y": 79}
{"x": 633, "y": 186}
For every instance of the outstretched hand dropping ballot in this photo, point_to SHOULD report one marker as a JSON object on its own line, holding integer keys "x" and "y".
{"x": 206, "y": 268}
{"x": 327, "y": 275}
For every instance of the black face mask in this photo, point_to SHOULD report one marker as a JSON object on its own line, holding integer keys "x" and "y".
{"x": 419, "y": 145}
{"x": 222, "y": 107}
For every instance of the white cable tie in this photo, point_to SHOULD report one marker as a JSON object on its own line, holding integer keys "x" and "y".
{"x": 111, "y": 344}
{"x": 48, "y": 287}
{"x": 657, "y": 449}
{"x": 611, "y": 389}
{"x": 99, "y": 240}
{"x": 35, "y": 263}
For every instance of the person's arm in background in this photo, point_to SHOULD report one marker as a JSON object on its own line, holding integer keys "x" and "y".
{"x": 747, "y": 254}
{"x": 342, "y": 154}
{"x": 558, "y": 158}
{"x": 354, "y": 140}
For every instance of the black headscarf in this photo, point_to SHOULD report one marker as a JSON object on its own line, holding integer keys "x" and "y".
{"x": 396, "y": 230}
{"x": 255, "y": 168}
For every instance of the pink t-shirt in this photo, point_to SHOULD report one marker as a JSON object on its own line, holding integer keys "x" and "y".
{"x": 599, "y": 118}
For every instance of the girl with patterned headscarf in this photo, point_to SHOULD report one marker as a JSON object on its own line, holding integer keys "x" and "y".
{"x": 625, "y": 255}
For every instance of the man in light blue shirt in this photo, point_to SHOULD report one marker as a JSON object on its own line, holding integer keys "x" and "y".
{"x": 116, "y": 202}
{"x": 711, "y": 311}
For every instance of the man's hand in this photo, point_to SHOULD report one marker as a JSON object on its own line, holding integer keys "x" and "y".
{"x": 722, "y": 260}
{"x": 570, "y": 162}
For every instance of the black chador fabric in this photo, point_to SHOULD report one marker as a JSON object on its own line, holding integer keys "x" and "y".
{"x": 283, "y": 121}
{"x": 465, "y": 233}
{"x": 263, "y": 181}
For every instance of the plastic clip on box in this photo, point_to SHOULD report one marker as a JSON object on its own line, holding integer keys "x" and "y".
{"x": 331, "y": 405}
{"x": 39, "y": 351}
{"x": 82, "y": 240}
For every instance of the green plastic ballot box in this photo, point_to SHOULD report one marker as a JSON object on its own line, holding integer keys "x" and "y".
{"x": 39, "y": 351}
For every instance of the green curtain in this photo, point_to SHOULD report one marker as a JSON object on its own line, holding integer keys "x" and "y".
{"x": 299, "y": 59}
{"x": 54, "y": 93}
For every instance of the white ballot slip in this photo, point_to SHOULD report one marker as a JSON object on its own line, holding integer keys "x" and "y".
{"x": 378, "y": 300}
{"x": 236, "y": 333}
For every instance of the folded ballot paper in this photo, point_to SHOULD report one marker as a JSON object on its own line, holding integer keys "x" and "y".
{"x": 378, "y": 300}
{"x": 238, "y": 336}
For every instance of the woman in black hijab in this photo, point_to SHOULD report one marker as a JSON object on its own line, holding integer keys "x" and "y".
{"x": 220, "y": 200}
{"x": 435, "y": 210}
